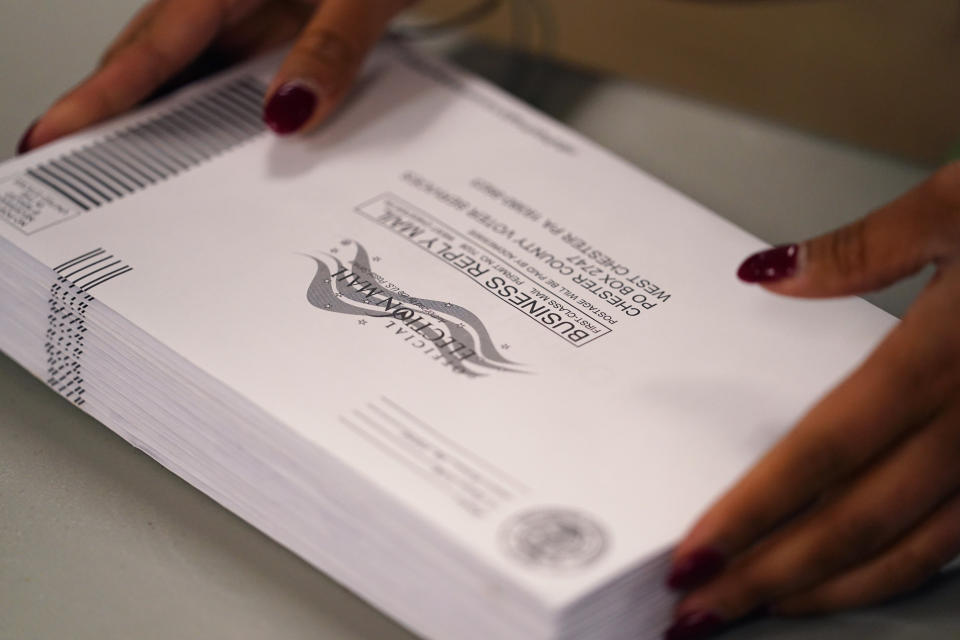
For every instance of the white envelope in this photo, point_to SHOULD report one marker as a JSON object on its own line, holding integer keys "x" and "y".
{"x": 476, "y": 368}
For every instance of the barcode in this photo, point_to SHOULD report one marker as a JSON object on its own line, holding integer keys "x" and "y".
{"x": 91, "y": 269}
{"x": 134, "y": 158}
{"x": 69, "y": 301}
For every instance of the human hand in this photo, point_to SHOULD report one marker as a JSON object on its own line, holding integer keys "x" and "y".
{"x": 861, "y": 500}
{"x": 166, "y": 36}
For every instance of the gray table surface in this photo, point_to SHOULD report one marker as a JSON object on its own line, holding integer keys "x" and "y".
{"x": 98, "y": 541}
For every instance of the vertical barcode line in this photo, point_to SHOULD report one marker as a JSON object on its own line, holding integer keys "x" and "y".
{"x": 221, "y": 129}
{"x": 224, "y": 104}
{"x": 254, "y": 86}
{"x": 104, "y": 278}
{"x": 67, "y": 160}
{"x": 155, "y": 149}
{"x": 174, "y": 141}
{"x": 210, "y": 130}
{"x": 116, "y": 149}
{"x": 74, "y": 182}
{"x": 162, "y": 144}
{"x": 252, "y": 97}
{"x": 66, "y": 322}
{"x": 80, "y": 258}
{"x": 88, "y": 265}
{"x": 113, "y": 161}
{"x": 42, "y": 180}
{"x": 70, "y": 179}
{"x": 96, "y": 271}
{"x": 208, "y": 109}
{"x": 183, "y": 136}
{"x": 249, "y": 106}
{"x": 85, "y": 156}
{"x": 43, "y": 174}
{"x": 135, "y": 149}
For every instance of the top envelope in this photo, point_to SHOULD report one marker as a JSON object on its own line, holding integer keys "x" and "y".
{"x": 535, "y": 349}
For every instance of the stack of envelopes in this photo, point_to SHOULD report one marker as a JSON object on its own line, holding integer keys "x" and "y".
{"x": 471, "y": 365}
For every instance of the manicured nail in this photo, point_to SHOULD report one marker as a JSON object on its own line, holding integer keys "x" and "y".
{"x": 290, "y": 107}
{"x": 695, "y": 568}
{"x": 694, "y": 625}
{"x": 770, "y": 265}
{"x": 23, "y": 145}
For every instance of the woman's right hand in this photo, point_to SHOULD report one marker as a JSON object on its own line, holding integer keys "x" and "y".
{"x": 166, "y": 36}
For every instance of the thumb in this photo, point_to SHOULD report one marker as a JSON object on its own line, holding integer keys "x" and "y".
{"x": 324, "y": 61}
{"x": 890, "y": 243}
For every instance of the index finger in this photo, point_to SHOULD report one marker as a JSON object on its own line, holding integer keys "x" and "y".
{"x": 159, "y": 42}
{"x": 320, "y": 68}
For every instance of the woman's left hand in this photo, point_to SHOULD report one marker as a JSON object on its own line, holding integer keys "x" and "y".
{"x": 861, "y": 500}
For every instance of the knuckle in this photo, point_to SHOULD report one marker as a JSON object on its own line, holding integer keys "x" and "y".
{"x": 846, "y": 250}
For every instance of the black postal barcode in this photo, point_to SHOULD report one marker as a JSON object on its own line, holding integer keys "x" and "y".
{"x": 132, "y": 159}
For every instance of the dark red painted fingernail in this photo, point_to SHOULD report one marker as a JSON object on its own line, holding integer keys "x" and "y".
{"x": 694, "y": 625}
{"x": 290, "y": 107}
{"x": 695, "y": 568}
{"x": 770, "y": 265}
{"x": 23, "y": 145}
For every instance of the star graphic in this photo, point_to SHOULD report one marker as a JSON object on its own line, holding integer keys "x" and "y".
{"x": 504, "y": 346}
{"x": 461, "y": 325}
{"x": 376, "y": 258}
{"x": 361, "y": 321}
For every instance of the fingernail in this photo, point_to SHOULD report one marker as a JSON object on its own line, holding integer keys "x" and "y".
{"x": 694, "y": 625}
{"x": 290, "y": 107}
{"x": 770, "y": 265}
{"x": 24, "y": 145}
{"x": 695, "y": 568}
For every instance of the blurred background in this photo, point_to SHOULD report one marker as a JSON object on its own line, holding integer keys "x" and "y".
{"x": 884, "y": 74}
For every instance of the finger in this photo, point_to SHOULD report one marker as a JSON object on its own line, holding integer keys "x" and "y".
{"x": 917, "y": 477}
{"x": 164, "y": 40}
{"x": 895, "y": 390}
{"x": 267, "y": 27}
{"x": 133, "y": 28}
{"x": 325, "y": 59}
{"x": 902, "y": 567}
{"x": 891, "y": 243}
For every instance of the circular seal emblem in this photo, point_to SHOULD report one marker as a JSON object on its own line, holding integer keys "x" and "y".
{"x": 554, "y": 538}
